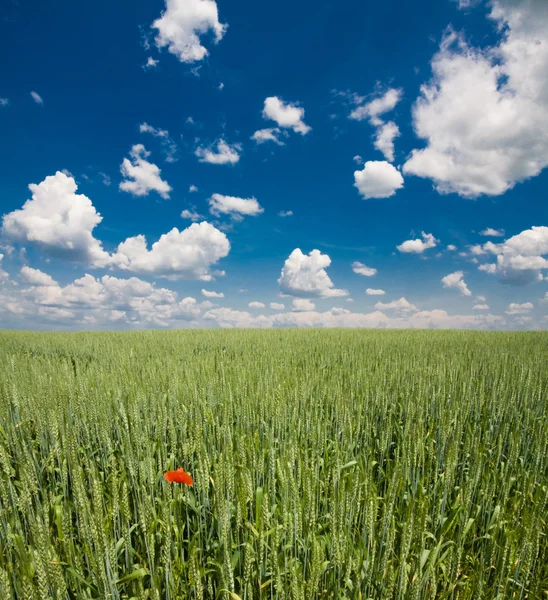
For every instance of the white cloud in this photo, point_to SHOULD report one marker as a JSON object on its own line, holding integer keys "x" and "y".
{"x": 362, "y": 269}
{"x": 105, "y": 179}
{"x": 170, "y": 147}
{"x": 37, "y": 277}
{"x": 520, "y": 259}
{"x": 455, "y": 280}
{"x": 268, "y": 135}
{"x": 285, "y": 213}
{"x": 401, "y": 305}
{"x": 142, "y": 176}
{"x": 285, "y": 114}
{"x": 37, "y": 98}
{"x": 58, "y": 221}
{"x": 227, "y": 318}
{"x": 209, "y": 294}
{"x": 4, "y": 101}
{"x": 378, "y": 179}
{"x": 3, "y": 274}
{"x": 237, "y": 208}
{"x": 358, "y": 159}
{"x": 192, "y": 188}
{"x": 151, "y": 63}
{"x": 490, "y": 232}
{"x": 186, "y": 254}
{"x": 490, "y": 268}
{"x": 305, "y": 276}
{"x": 277, "y": 306}
{"x": 372, "y": 292}
{"x": 373, "y": 109}
{"x": 256, "y": 305}
{"x": 225, "y": 154}
{"x": 384, "y": 141}
{"x": 302, "y": 304}
{"x": 159, "y": 133}
{"x": 519, "y": 309}
{"x": 418, "y": 246}
{"x": 481, "y": 307}
{"x": 386, "y": 133}
{"x": 109, "y": 299}
{"x": 451, "y": 247}
{"x": 480, "y": 298}
{"x": 484, "y": 112}
{"x": 191, "y": 214}
{"x": 181, "y": 25}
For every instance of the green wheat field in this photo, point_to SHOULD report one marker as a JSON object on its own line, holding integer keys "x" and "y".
{"x": 326, "y": 464}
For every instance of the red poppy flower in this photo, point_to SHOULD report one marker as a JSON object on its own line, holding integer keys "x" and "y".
{"x": 179, "y": 476}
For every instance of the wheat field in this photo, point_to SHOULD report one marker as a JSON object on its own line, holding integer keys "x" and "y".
{"x": 326, "y": 464}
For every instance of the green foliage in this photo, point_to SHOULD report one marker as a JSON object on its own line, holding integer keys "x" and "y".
{"x": 327, "y": 464}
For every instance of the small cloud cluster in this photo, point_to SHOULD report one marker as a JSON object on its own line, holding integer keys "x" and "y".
{"x": 219, "y": 154}
{"x": 141, "y": 176}
{"x": 305, "y": 276}
{"x": 182, "y": 23}
{"x": 236, "y": 208}
{"x": 418, "y": 246}
{"x": 455, "y": 280}
{"x": 386, "y": 133}
{"x": 286, "y": 115}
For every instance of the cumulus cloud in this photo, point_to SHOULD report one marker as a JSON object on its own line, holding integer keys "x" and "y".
{"x": 285, "y": 213}
{"x": 455, "y": 280}
{"x": 192, "y": 215}
{"x": 141, "y": 176}
{"x": 183, "y": 23}
{"x": 378, "y": 179}
{"x": 37, "y": 98}
{"x": 481, "y": 307}
{"x": 451, "y": 247}
{"x": 520, "y": 259}
{"x": 37, "y": 277}
{"x": 58, "y": 221}
{"x": 276, "y": 306}
{"x": 402, "y": 305}
{"x": 373, "y": 292}
{"x": 418, "y": 246}
{"x": 483, "y": 114}
{"x": 192, "y": 189}
{"x": 339, "y": 317}
{"x": 362, "y": 269}
{"x": 490, "y": 232}
{"x": 305, "y": 276}
{"x": 225, "y": 154}
{"x": 268, "y": 135}
{"x": 302, "y": 304}
{"x": 237, "y": 208}
{"x": 519, "y": 309}
{"x": 211, "y": 294}
{"x": 109, "y": 299}
{"x": 187, "y": 254}
{"x": 228, "y": 318}
{"x": 285, "y": 114}
{"x": 256, "y": 305}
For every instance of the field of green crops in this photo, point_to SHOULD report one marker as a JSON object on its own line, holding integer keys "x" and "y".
{"x": 326, "y": 464}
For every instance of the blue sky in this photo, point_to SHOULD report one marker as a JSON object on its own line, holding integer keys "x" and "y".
{"x": 409, "y": 142}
